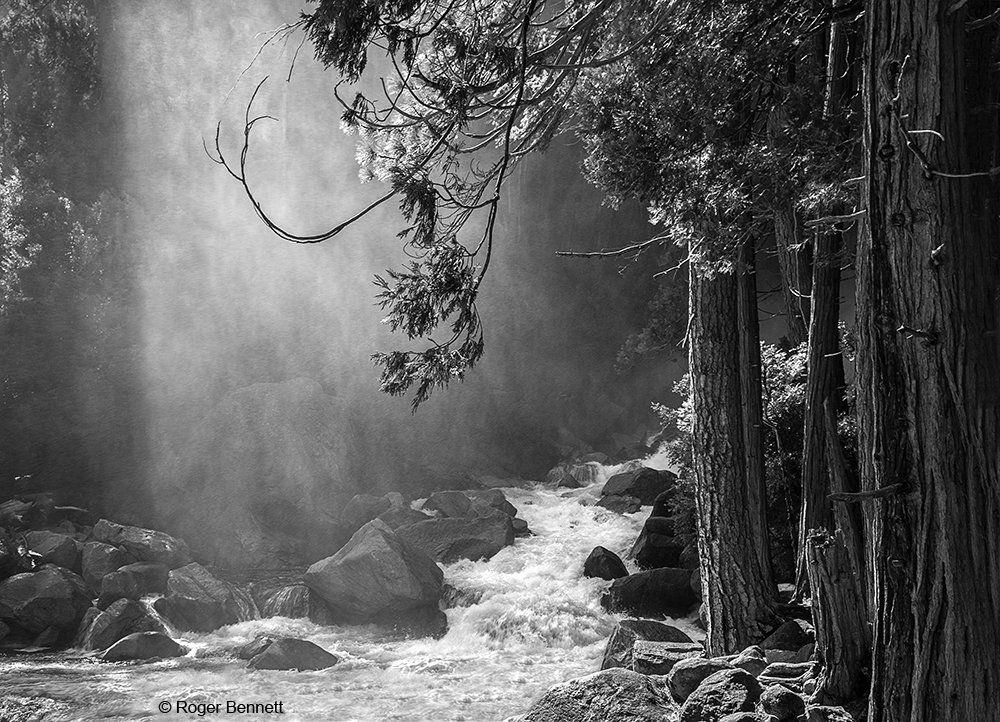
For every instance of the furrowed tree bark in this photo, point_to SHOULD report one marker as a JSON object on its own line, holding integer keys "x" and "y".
{"x": 734, "y": 588}
{"x": 752, "y": 394}
{"x": 929, "y": 359}
{"x": 843, "y": 639}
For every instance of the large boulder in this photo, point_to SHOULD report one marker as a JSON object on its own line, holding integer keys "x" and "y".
{"x": 143, "y": 645}
{"x": 644, "y": 483}
{"x": 398, "y": 517}
{"x": 450, "y": 539}
{"x": 146, "y": 545}
{"x": 49, "y": 597}
{"x": 656, "y": 546}
{"x": 376, "y": 575}
{"x": 660, "y": 657}
{"x": 782, "y": 704}
{"x": 652, "y": 593}
{"x": 490, "y": 498}
{"x": 620, "y": 504}
{"x": 604, "y": 564}
{"x": 288, "y": 653}
{"x": 688, "y": 674}
{"x": 262, "y": 477}
{"x": 197, "y": 601}
{"x": 132, "y": 581}
{"x": 786, "y": 642}
{"x": 192, "y": 615}
{"x": 724, "y": 693}
{"x": 100, "y": 630}
{"x": 618, "y": 652}
{"x": 611, "y": 695}
{"x": 448, "y": 504}
{"x": 98, "y": 559}
{"x": 61, "y": 550}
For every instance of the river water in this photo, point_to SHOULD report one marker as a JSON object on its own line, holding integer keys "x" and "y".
{"x": 527, "y": 619}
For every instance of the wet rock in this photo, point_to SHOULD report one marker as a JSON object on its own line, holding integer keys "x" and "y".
{"x": 100, "y": 630}
{"x": 490, "y": 498}
{"x": 361, "y": 509}
{"x": 822, "y": 713}
{"x": 611, "y": 695}
{"x": 688, "y": 674}
{"x": 376, "y": 572}
{"x": 791, "y": 636}
{"x": 520, "y": 527}
{"x": 604, "y": 564}
{"x": 750, "y": 660}
{"x": 620, "y": 504}
{"x": 652, "y": 593}
{"x": 254, "y": 647}
{"x": 782, "y": 704}
{"x": 143, "y": 645}
{"x": 450, "y": 539}
{"x": 192, "y": 615}
{"x": 146, "y": 545}
{"x": 792, "y": 675}
{"x": 618, "y": 651}
{"x": 656, "y": 546}
{"x": 726, "y": 692}
{"x": 402, "y": 516}
{"x": 288, "y": 653}
{"x": 132, "y": 581}
{"x": 660, "y": 657}
{"x": 644, "y": 483}
{"x": 48, "y": 638}
{"x": 193, "y": 581}
{"x": 61, "y": 550}
{"x": 98, "y": 559}
{"x": 448, "y": 504}
{"x": 49, "y": 597}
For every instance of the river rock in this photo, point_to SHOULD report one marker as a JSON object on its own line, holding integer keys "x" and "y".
{"x": 645, "y": 484}
{"x": 376, "y": 573}
{"x": 620, "y": 504}
{"x": 611, "y": 695}
{"x": 288, "y": 653}
{"x": 100, "y": 630}
{"x": 687, "y": 674}
{"x": 618, "y": 651}
{"x": 49, "y": 597}
{"x": 792, "y": 675}
{"x": 448, "y": 504}
{"x": 143, "y": 645}
{"x": 652, "y": 593}
{"x": 195, "y": 582}
{"x": 146, "y": 545}
{"x": 490, "y": 498}
{"x": 791, "y": 636}
{"x": 723, "y": 693}
{"x": 660, "y": 657}
{"x": 656, "y": 546}
{"x": 450, "y": 539}
{"x": 402, "y": 516}
{"x": 193, "y": 615}
{"x": 61, "y": 550}
{"x": 98, "y": 559}
{"x": 132, "y": 581}
{"x": 520, "y": 527}
{"x": 782, "y": 703}
{"x": 821, "y": 713}
{"x": 604, "y": 564}
{"x": 750, "y": 660}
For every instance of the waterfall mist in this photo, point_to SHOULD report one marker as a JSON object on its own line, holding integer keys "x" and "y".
{"x": 254, "y": 353}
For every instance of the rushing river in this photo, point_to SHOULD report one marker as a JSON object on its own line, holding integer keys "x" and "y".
{"x": 526, "y": 620}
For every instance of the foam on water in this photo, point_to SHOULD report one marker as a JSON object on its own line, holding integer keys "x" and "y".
{"x": 524, "y": 620}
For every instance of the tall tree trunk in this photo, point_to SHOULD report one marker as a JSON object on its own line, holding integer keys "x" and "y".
{"x": 734, "y": 587}
{"x": 751, "y": 393}
{"x": 929, "y": 360}
{"x": 794, "y": 266}
{"x": 824, "y": 386}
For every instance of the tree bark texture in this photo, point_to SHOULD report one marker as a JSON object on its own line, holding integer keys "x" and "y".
{"x": 929, "y": 361}
{"x": 734, "y": 588}
{"x": 843, "y": 639}
{"x": 752, "y": 394}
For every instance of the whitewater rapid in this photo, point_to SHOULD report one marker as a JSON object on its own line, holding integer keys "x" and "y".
{"x": 522, "y": 621}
